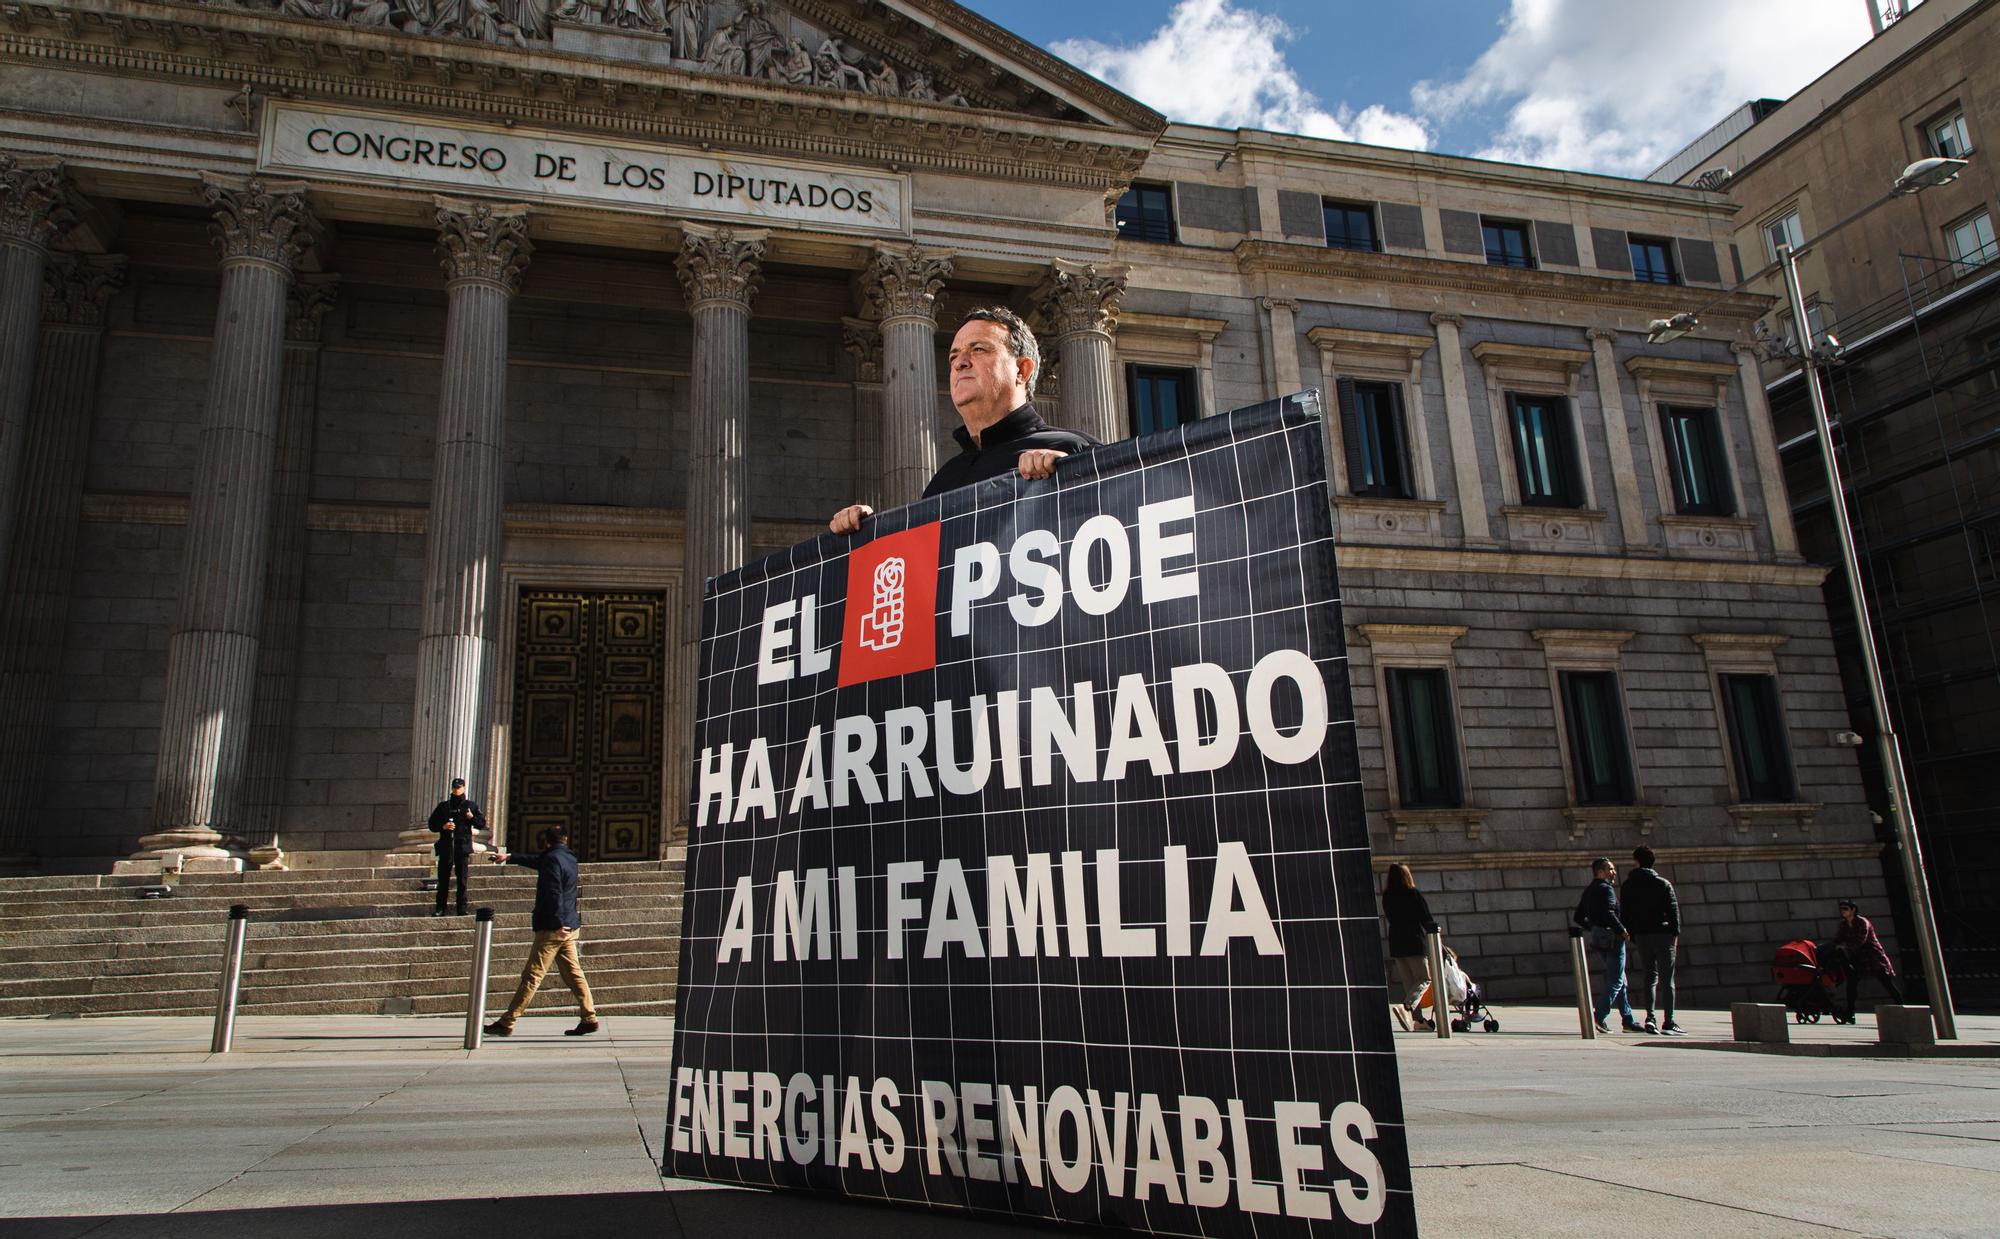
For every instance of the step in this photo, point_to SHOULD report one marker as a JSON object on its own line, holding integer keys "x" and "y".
{"x": 168, "y": 912}
{"x": 646, "y": 999}
{"x": 405, "y": 930}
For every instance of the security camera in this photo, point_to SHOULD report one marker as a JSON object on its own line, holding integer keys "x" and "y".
{"x": 1847, "y": 739}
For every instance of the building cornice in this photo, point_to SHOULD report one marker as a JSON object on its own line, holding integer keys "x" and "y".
{"x": 1456, "y": 562}
{"x": 308, "y": 60}
{"x": 1254, "y": 257}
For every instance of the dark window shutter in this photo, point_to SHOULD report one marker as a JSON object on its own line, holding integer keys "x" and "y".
{"x": 1350, "y": 432}
{"x": 1613, "y": 252}
{"x": 1399, "y": 444}
{"x": 1572, "y": 453}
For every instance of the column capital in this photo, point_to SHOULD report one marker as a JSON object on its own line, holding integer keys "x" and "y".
{"x": 260, "y": 221}
{"x": 77, "y": 287}
{"x": 483, "y": 242}
{"x": 1608, "y": 335}
{"x": 721, "y": 264}
{"x": 1289, "y": 305}
{"x": 1752, "y": 349}
{"x": 903, "y": 282}
{"x": 37, "y": 202}
{"x": 306, "y": 304}
{"x": 1453, "y": 321}
{"x": 1078, "y": 297}
{"x": 863, "y": 338}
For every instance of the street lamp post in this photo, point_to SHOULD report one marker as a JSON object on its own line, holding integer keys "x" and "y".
{"x": 1919, "y": 176}
{"x": 1885, "y": 731}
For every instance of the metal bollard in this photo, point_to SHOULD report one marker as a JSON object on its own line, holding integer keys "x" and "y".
{"x": 1440, "y": 992}
{"x": 231, "y": 982}
{"x": 1579, "y": 965}
{"x": 475, "y": 998}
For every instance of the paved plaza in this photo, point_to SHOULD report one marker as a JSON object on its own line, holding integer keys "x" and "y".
{"x": 384, "y": 1127}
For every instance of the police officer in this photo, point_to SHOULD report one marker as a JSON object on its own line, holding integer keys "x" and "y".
{"x": 454, "y": 821}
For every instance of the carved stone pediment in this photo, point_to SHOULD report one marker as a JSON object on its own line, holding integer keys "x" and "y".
{"x": 921, "y": 51}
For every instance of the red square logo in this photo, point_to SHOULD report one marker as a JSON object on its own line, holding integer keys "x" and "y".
{"x": 891, "y": 626}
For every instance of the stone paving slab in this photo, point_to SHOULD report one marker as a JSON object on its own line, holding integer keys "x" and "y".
{"x": 386, "y": 1126}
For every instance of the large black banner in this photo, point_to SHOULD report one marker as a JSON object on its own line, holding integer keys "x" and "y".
{"x": 1028, "y": 872}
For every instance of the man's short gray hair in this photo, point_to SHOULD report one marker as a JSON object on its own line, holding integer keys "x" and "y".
{"x": 1020, "y": 337}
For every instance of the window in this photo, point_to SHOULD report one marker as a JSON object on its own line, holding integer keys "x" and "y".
{"x": 1544, "y": 457}
{"x": 1971, "y": 240}
{"x": 1948, "y": 137}
{"x": 1757, "y": 738}
{"x": 1697, "y": 461}
{"x": 1816, "y": 316}
{"x": 1653, "y": 260}
{"x": 1506, "y": 243}
{"x": 1986, "y": 351}
{"x": 1426, "y": 742}
{"x": 1351, "y": 226}
{"x": 1784, "y": 230}
{"x": 1162, "y": 398}
{"x": 1599, "y": 758}
{"x": 1146, "y": 213}
{"x": 1372, "y": 436}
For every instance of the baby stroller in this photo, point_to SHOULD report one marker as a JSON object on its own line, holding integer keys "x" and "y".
{"x": 1808, "y": 977}
{"x": 1463, "y": 996}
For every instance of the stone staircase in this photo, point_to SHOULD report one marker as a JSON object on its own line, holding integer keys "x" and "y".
{"x": 324, "y": 942}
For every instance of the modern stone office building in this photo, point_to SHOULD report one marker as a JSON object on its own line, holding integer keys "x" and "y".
{"x": 378, "y": 379}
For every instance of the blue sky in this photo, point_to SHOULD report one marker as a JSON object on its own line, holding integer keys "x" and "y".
{"x": 1611, "y": 86}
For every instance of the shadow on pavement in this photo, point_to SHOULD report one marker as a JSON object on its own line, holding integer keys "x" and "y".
{"x": 680, "y": 1212}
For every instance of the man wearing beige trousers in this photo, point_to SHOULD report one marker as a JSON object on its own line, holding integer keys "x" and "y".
{"x": 556, "y": 926}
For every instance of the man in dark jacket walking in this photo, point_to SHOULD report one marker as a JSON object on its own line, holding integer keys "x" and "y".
{"x": 557, "y": 925}
{"x": 454, "y": 822}
{"x": 1597, "y": 912}
{"x": 1653, "y": 915}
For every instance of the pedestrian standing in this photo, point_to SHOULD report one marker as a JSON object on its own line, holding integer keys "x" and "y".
{"x": 1865, "y": 955}
{"x": 455, "y": 821}
{"x": 1653, "y": 915}
{"x": 558, "y": 930}
{"x": 1597, "y": 913}
{"x": 1404, "y": 908}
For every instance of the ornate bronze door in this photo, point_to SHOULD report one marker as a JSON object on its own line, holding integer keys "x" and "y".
{"x": 586, "y": 746}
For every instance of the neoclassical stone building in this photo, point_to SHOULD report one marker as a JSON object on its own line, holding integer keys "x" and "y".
{"x": 378, "y": 381}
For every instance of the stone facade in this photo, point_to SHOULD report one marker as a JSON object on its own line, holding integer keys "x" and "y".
{"x": 658, "y": 393}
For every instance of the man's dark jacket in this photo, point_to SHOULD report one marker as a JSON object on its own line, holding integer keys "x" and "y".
{"x": 1598, "y": 909}
{"x": 455, "y": 807}
{"x": 998, "y": 451}
{"x": 555, "y": 887}
{"x": 1650, "y": 905}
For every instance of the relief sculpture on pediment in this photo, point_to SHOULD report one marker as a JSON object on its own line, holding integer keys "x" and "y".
{"x": 733, "y": 38}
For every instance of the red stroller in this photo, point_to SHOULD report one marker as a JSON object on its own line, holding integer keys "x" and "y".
{"x": 1808, "y": 978}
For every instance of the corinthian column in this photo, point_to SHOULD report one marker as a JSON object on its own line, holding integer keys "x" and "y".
{"x": 900, "y": 291}
{"x": 484, "y": 249}
{"x": 262, "y": 229}
{"x": 38, "y": 581}
{"x": 720, "y": 269}
{"x": 278, "y": 653}
{"x": 36, "y": 207}
{"x": 1080, "y": 302}
{"x": 863, "y": 340}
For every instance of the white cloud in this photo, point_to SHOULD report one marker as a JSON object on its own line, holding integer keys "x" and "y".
{"x": 1216, "y": 64}
{"x": 1620, "y": 87}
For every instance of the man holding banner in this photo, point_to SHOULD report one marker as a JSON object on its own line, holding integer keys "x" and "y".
{"x": 1027, "y": 870}
{"x": 993, "y": 363}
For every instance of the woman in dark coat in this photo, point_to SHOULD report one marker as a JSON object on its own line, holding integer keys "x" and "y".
{"x": 1404, "y": 908}
{"x": 1865, "y": 954}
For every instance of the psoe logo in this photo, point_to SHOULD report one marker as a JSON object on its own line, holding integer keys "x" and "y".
{"x": 882, "y": 625}
{"x": 891, "y": 625}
